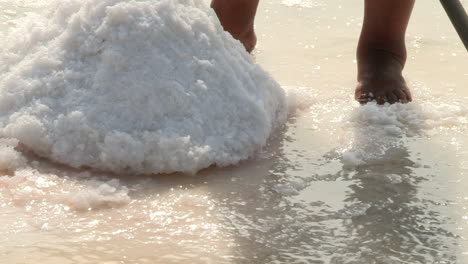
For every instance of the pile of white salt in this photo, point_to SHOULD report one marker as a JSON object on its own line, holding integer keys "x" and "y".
{"x": 147, "y": 86}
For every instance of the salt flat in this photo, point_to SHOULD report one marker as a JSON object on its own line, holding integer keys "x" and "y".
{"x": 340, "y": 183}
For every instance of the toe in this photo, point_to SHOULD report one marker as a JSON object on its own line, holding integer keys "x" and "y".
{"x": 404, "y": 89}
{"x": 361, "y": 96}
{"x": 358, "y": 92}
{"x": 381, "y": 99}
{"x": 408, "y": 95}
{"x": 392, "y": 98}
{"x": 402, "y": 97}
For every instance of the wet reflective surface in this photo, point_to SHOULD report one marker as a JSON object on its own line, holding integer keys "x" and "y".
{"x": 339, "y": 183}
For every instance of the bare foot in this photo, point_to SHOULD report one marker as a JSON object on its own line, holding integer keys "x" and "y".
{"x": 380, "y": 79}
{"x": 237, "y": 17}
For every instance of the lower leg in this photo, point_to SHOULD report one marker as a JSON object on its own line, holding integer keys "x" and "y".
{"x": 237, "y": 17}
{"x": 381, "y": 52}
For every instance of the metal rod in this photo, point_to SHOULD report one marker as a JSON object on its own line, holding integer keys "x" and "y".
{"x": 459, "y": 18}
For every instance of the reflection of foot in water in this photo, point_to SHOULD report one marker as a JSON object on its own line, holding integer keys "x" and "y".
{"x": 381, "y": 51}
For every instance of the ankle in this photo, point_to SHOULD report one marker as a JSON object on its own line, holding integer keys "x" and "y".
{"x": 374, "y": 61}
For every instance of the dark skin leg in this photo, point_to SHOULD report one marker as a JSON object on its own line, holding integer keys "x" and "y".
{"x": 237, "y": 17}
{"x": 381, "y": 52}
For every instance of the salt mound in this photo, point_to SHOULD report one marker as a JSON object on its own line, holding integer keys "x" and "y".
{"x": 142, "y": 86}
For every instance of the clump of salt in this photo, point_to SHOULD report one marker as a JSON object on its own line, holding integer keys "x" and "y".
{"x": 377, "y": 129}
{"x": 141, "y": 86}
{"x": 353, "y": 210}
{"x": 10, "y": 159}
{"x": 98, "y": 194}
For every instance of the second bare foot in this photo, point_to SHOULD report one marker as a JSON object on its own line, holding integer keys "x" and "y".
{"x": 380, "y": 79}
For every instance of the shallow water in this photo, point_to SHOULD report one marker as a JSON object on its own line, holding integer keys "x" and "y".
{"x": 339, "y": 184}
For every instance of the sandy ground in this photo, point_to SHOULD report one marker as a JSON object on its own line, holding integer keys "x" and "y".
{"x": 339, "y": 184}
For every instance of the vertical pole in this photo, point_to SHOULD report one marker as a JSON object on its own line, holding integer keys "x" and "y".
{"x": 459, "y": 18}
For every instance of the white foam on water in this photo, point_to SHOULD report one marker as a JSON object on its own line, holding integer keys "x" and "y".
{"x": 140, "y": 86}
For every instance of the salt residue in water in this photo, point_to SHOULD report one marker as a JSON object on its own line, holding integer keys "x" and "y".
{"x": 300, "y": 98}
{"x": 303, "y": 3}
{"x": 142, "y": 86}
{"x": 293, "y": 186}
{"x": 28, "y": 186}
{"x": 376, "y": 129}
{"x": 10, "y": 159}
{"x": 353, "y": 210}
